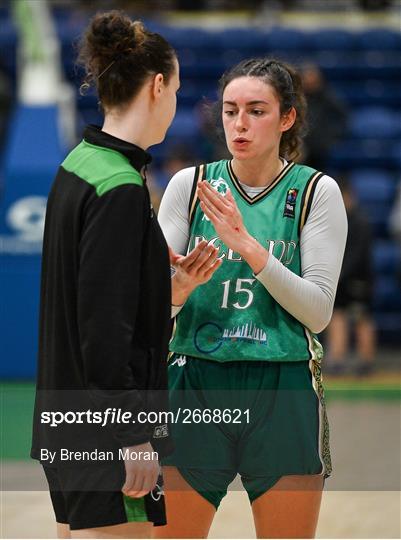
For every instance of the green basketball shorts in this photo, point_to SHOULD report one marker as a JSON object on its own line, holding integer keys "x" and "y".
{"x": 261, "y": 420}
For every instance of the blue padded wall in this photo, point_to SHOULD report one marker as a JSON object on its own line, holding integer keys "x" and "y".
{"x": 33, "y": 155}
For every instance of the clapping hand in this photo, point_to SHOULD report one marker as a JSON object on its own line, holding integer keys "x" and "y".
{"x": 223, "y": 212}
{"x": 226, "y": 218}
{"x": 192, "y": 270}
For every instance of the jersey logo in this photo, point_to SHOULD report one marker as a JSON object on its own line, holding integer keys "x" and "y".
{"x": 157, "y": 493}
{"x": 160, "y": 431}
{"x": 221, "y": 186}
{"x": 247, "y": 332}
{"x": 209, "y": 336}
{"x": 290, "y": 202}
{"x": 180, "y": 361}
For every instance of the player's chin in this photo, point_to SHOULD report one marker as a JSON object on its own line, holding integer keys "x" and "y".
{"x": 241, "y": 154}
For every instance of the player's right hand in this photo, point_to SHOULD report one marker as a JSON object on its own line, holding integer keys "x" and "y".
{"x": 140, "y": 474}
{"x": 193, "y": 269}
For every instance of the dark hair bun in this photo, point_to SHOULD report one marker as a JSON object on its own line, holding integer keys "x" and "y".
{"x": 118, "y": 54}
{"x": 110, "y": 34}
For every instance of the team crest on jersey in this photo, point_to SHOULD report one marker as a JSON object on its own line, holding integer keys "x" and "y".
{"x": 221, "y": 186}
{"x": 290, "y": 202}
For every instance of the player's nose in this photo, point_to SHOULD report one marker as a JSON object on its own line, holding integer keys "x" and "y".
{"x": 240, "y": 121}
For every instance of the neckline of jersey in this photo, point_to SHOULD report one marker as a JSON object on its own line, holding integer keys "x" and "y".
{"x": 138, "y": 157}
{"x": 262, "y": 194}
{"x": 135, "y": 171}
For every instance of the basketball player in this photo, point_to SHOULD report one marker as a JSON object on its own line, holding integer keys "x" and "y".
{"x": 246, "y": 339}
{"x": 106, "y": 293}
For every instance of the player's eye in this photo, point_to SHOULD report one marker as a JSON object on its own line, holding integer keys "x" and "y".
{"x": 229, "y": 112}
{"x": 257, "y": 112}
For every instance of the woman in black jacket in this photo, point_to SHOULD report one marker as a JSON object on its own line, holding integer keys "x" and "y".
{"x": 105, "y": 297}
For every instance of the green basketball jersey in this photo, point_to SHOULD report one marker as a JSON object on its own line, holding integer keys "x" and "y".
{"x": 233, "y": 316}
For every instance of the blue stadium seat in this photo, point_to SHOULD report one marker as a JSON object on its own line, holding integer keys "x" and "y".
{"x": 380, "y": 93}
{"x": 360, "y": 66}
{"x": 251, "y": 41}
{"x": 69, "y": 33}
{"x": 70, "y": 29}
{"x": 231, "y": 57}
{"x": 387, "y": 294}
{"x": 160, "y": 152}
{"x": 89, "y": 98}
{"x": 372, "y": 122}
{"x": 211, "y": 68}
{"x": 332, "y": 39}
{"x": 386, "y": 258}
{"x": 88, "y": 110}
{"x": 396, "y": 153}
{"x": 88, "y": 116}
{"x": 388, "y": 324}
{"x": 4, "y": 13}
{"x": 185, "y": 125}
{"x": 194, "y": 38}
{"x": 369, "y": 93}
{"x": 375, "y": 191}
{"x": 373, "y": 186}
{"x": 380, "y": 39}
{"x": 192, "y": 92}
{"x": 377, "y": 213}
{"x": 287, "y": 39}
{"x": 363, "y": 153}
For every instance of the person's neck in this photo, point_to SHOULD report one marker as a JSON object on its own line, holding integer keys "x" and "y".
{"x": 258, "y": 172}
{"x": 131, "y": 126}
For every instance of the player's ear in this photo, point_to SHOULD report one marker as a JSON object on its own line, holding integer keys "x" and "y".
{"x": 288, "y": 119}
{"x": 157, "y": 86}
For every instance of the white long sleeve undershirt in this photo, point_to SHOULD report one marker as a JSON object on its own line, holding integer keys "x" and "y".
{"x": 309, "y": 297}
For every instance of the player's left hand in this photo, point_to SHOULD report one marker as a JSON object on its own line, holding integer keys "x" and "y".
{"x": 223, "y": 212}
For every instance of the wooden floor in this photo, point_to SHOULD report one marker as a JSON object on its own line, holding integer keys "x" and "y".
{"x": 343, "y": 515}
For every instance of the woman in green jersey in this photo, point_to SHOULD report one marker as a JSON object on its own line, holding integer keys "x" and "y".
{"x": 244, "y": 370}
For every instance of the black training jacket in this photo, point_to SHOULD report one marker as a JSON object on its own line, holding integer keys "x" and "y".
{"x": 105, "y": 301}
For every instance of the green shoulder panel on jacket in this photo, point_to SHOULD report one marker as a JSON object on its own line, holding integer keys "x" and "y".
{"x": 103, "y": 168}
